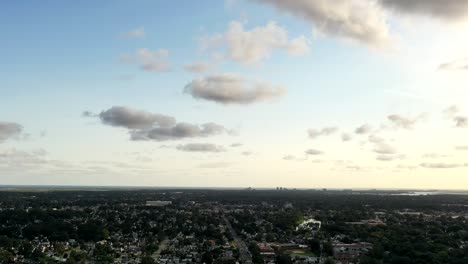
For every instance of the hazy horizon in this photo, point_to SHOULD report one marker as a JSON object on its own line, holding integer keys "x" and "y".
{"x": 253, "y": 93}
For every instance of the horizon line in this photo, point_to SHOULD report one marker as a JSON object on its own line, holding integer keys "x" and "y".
{"x": 66, "y": 186}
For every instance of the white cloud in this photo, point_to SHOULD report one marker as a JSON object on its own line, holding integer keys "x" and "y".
{"x": 151, "y": 61}
{"x": 399, "y": 121}
{"x": 357, "y": 20}
{"x": 136, "y": 33}
{"x": 459, "y": 64}
{"x": 293, "y": 158}
{"x": 443, "y": 165}
{"x": 346, "y": 137}
{"x": 314, "y": 133}
{"x": 313, "y": 152}
{"x": 257, "y": 44}
{"x": 435, "y": 156}
{"x": 198, "y": 67}
{"x": 451, "y": 111}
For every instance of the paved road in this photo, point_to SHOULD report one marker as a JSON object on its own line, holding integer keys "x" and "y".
{"x": 245, "y": 255}
{"x": 161, "y": 247}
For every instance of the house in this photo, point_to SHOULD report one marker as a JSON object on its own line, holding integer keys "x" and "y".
{"x": 344, "y": 253}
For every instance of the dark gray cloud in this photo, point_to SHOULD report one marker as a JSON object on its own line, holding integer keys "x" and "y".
{"x": 144, "y": 125}
{"x": 232, "y": 89}
{"x": 9, "y": 130}
{"x": 315, "y": 133}
{"x": 88, "y": 114}
{"x": 122, "y": 116}
{"x": 399, "y": 121}
{"x": 313, "y": 152}
{"x": 178, "y": 131}
{"x": 363, "y": 129}
{"x": 200, "y": 147}
{"x": 246, "y": 153}
{"x": 235, "y": 145}
{"x": 443, "y": 165}
{"x": 361, "y": 21}
{"x": 444, "y": 9}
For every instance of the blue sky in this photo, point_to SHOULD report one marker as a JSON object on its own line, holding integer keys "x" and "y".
{"x": 273, "y": 76}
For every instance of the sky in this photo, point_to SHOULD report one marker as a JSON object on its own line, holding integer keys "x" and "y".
{"x": 235, "y": 93}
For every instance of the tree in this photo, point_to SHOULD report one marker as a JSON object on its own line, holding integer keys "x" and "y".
{"x": 328, "y": 248}
{"x": 6, "y": 257}
{"x": 147, "y": 260}
{"x": 207, "y": 258}
{"x": 314, "y": 245}
{"x": 283, "y": 259}
{"x": 150, "y": 248}
{"x": 103, "y": 253}
{"x": 255, "y": 251}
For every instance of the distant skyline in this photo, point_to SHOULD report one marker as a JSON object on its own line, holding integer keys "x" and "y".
{"x": 235, "y": 93}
